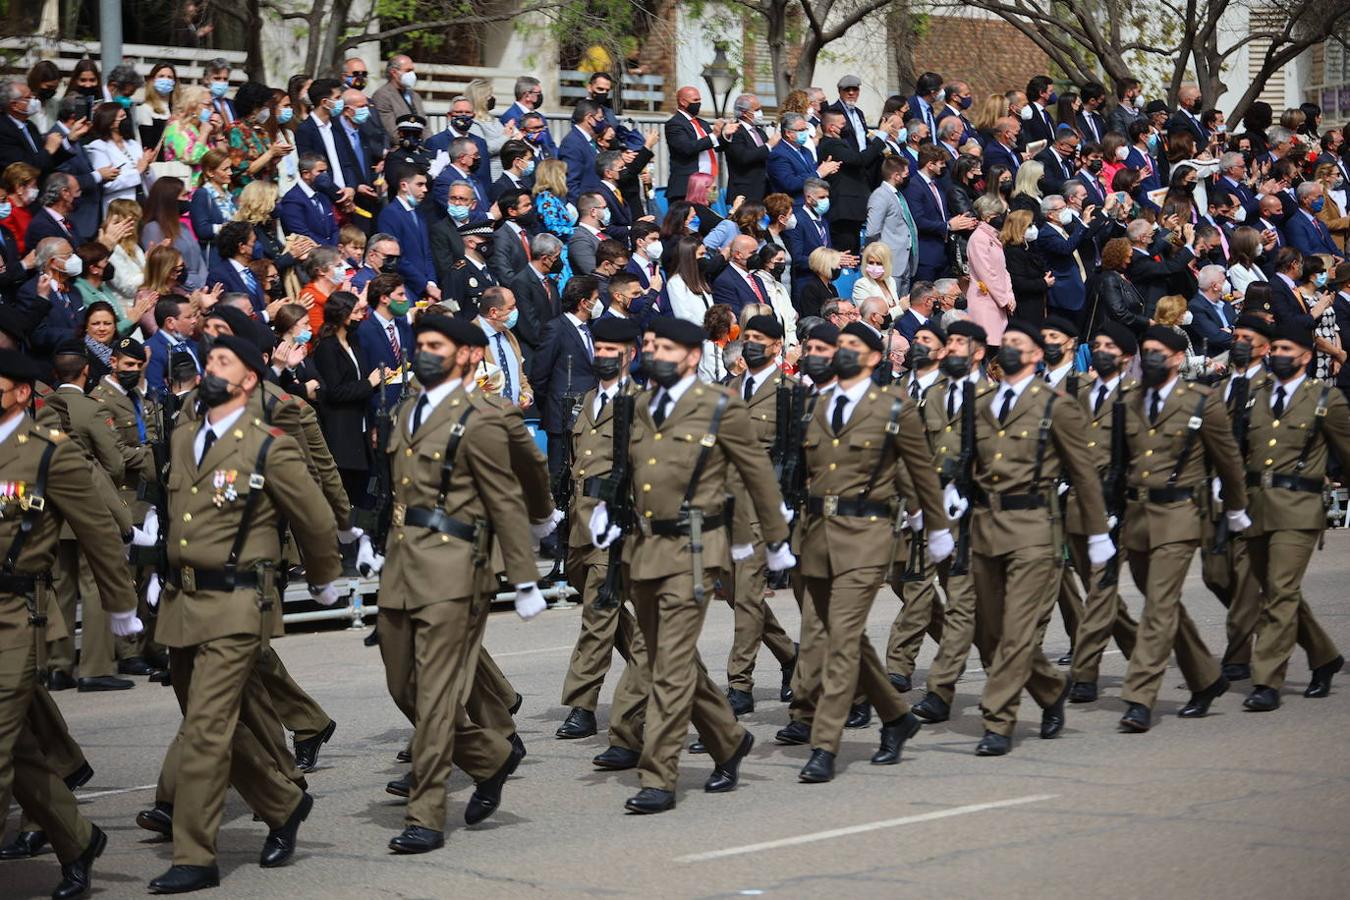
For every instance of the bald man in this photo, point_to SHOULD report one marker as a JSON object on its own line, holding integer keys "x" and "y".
{"x": 691, "y": 142}
{"x": 737, "y": 285}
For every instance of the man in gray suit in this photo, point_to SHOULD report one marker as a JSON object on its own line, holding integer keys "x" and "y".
{"x": 396, "y": 96}
{"x": 889, "y": 221}
{"x": 592, "y": 215}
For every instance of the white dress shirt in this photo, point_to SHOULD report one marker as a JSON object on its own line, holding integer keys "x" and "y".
{"x": 434, "y": 397}
{"x": 675, "y": 394}
{"x": 221, "y": 428}
{"x": 1017, "y": 388}
{"x": 853, "y": 396}
{"x": 330, "y": 150}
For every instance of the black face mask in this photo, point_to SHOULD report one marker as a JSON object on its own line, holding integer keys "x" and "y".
{"x": 1105, "y": 363}
{"x": 88, "y": 91}
{"x": 184, "y": 207}
{"x": 485, "y": 249}
{"x": 664, "y": 372}
{"x": 410, "y": 141}
{"x": 607, "y": 368}
{"x": 1240, "y": 355}
{"x": 955, "y": 367}
{"x": 1005, "y": 188}
{"x": 847, "y": 363}
{"x": 777, "y": 270}
{"x": 603, "y": 99}
{"x": 1154, "y": 370}
{"x": 128, "y": 379}
{"x": 1010, "y": 361}
{"x": 557, "y": 267}
{"x": 997, "y": 222}
{"x": 429, "y": 368}
{"x": 462, "y": 123}
{"x": 45, "y": 94}
{"x": 693, "y": 108}
{"x": 276, "y": 291}
{"x": 917, "y": 356}
{"x": 886, "y": 322}
{"x": 527, "y": 219}
{"x": 645, "y": 363}
{"x": 108, "y": 272}
{"x": 214, "y": 390}
{"x": 1282, "y": 367}
{"x": 756, "y": 355}
{"x": 491, "y": 104}
{"x": 390, "y": 265}
{"x": 1095, "y": 166}
{"x": 1054, "y": 354}
{"x": 820, "y": 369}
{"x": 835, "y": 273}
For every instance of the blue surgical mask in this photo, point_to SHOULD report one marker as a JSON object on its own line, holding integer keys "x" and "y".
{"x": 284, "y": 115}
{"x": 605, "y": 216}
{"x": 902, "y": 135}
{"x": 693, "y": 224}
{"x": 124, "y": 102}
{"x": 512, "y": 317}
{"x": 361, "y": 116}
{"x": 1317, "y": 204}
{"x": 304, "y": 336}
{"x": 219, "y": 89}
{"x": 802, "y": 137}
{"x": 1320, "y": 279}
{"x": 529, "y": 169}
{"x": 5, "y": 209}
{"x": 164, "y": 86}
{"x": 205, "y": 115}
{"x": 822, "y": 206}
{"x": 458, "y": 213}
{"x": 338, "y": 106}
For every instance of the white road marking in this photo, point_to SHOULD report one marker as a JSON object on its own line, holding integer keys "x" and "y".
{"x": 132, "y": 790}
{"x": 861, "y": 829}
{"x": 529, "y": 652}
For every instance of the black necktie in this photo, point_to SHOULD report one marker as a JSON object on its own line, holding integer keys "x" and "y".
{"x": 662, "y": 405}
{"x": 951, "y": 401}
{"x": 604, "y": 398}
{"x": 1154, "y": 407}
{"x": 206, "y": 444}
{"x": 1101, "y": 398}
{"x": 1008, "y": 396}
{"x": 914, "y": 389}
{"x": 418, "y": 411}
{"x": 1278, "y": 408}
{"x": 749, "y": 388}
{"x": 837, "y": 420}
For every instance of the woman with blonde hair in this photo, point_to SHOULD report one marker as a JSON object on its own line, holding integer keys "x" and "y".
{"x": 796, "y": 101}
{"x": 164, "y": 271}
{"x": 257, "y": 206}
{"x": 876, "y": 279}
{"x": 989, "y": 298}
{"x": 485, "y": 124}
{"x": 992, "y": 108}
{"x": 1171, "y": 311}
{"x": 1026, "y": 192}
{"x": 154, "y": 112}
{"x": 824, "y": 263}
{"x": 128, "y": 259}
{"x": 192, "y": 131}
{"x": 1030, "y": 277}
{"x": 1335, "y": 218}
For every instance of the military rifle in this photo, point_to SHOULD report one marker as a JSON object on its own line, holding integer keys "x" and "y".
{"x": 1242, "y": 420}
{"x": 1114, "y": 485}
{"x": 617, "y": 495}
{"x": 562, "y": 486}
{"x": 964, "y": 478}
{"x": 381, "y": 486}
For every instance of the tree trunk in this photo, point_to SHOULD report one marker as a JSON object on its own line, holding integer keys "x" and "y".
{"x": 313, "y": 34}
{"x": 253, "y": 62}
{"x": 775, "y": 38}
{"x": 904, "y": 39}
{"x": 337, "y": 27}
{"x": 805, "y": 69}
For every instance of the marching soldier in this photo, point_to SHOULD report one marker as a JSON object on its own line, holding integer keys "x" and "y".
{"x": 686, "y": 438}
{"x": 1025, "y": 434}
{"x": 606, "y": 623}
{"x": 455, "y": 496}
{"x": 1104, "y": 614}
{"x": 962, "y": 364}
{"x": 233, "y": 481}
{"x": 865, "y": 439}
{"x": 47, "y": 482}
{"x": 1295, "y": 421}
{"x": 758, "y": 387}
{"x": 1174, "y": 428}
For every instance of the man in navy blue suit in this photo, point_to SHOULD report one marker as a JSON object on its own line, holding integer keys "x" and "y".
{"x": 234, "y": 244}
{"x": 737, "y": 285}
{"x": 459, "y": 124}
{"x": 529, "y": 97}
{"x": 58, "y": 313}
{"x": 88, "y": 210}
{"x": 534, "y": 131}
{"x": 1002, "y": 150}
{"x": 791, "y": 162}
{"x": 384, "y": 338}
{"x": 1212, "y": 318}
{"x": 400, "y": 219}
{"x": 1233, "y": 178}
{"x": 922, "y": 298}
{"x": 563, "y": 366}
{"x": 176, "y": 318}
{"x": 1063, "y": 243}
{"x": 1307, "y": 232}
{"x": 925, "y": 105}
{"x": 306, "y": 211}
{"x": 314, "y": 135}
{"x": 578, "y": 147}
{"x": 466, "y": 154}
{"x": 929, "y": 209}
{"x": 56, "y": 203}
{"x": 812, "y": 231}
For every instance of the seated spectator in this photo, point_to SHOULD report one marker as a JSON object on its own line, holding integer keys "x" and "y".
{"x": 688, "y": 295}
{"x": 213, "y": 202}
{"x": 99, "y": 330}
{"x": 258, "y": 207}
{"x": 327, "y": 272}
{"x": 305, "y": 210}
{"x": 818, "y": 288}
{"x": 193, "y": 130}
{"x": 166, "y": 221}
{"x": 19, "y": 182}
{"x": 109, "y": 149}
{"x": 719, "y": 331}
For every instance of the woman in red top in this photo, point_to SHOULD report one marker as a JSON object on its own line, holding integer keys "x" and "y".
{"x": 18, "y": 183}
{"x": 327, "y": 273}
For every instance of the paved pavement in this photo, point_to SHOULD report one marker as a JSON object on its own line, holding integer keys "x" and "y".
{"x": 1236, "y": 805}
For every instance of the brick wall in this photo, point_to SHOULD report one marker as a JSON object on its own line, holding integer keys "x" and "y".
{"x": 989, "y": 54}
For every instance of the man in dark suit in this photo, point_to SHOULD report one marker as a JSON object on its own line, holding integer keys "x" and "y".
{"x": 1212, "y": 317}
{"x": 58, "y": 199}
{"x": 1089, "y": 120}
{"x": 176, "y": 321}
{"x": 647, "y": 250}
{"x": 1187, "y": 116}
{"x": 931, "y": 218}
{"x": 922, "y": 299}
{"x": 692, "y": 143}
{"x": 849, "y": 189}
{"x": 314, "y": 134}
{"x": 58, "y": 313}
{"x": 88, "y": 211}
{"x": 306, "y": 211}
{"x": 19, "y": 138}
{"x": 1270, "y": 219}
{"x": 812, "y": 231}
{"x": 748, "y": 151}
{"x": 447, "y": 246}
{"x": 1307, "y": 232}
{"x": 14, "y": 271}
{"x": 1059, "y": 241}
{"x": 517, "y": 169}
{"x": 1002, "y": 150}
{"x": 1285, "y": 303}
{"x": 578, "y": 148}
{"x": 459, "y": 126}
{"x": 737, "y": 285}
{"x": 562, "y": 370}
{"x": 511, "y": 244}
{"x": 609, "y": 167}
{"x": 957, "y": 98}
{"x": 234, "y": 245}
{"x": 384, "y": 339}
{"x": 1040, "y": 97}
{"x": 367, "y": 143}
{"x": 1058, "y": 159}
{"x": 217, "y": 81}
{"x": 537, "y": 295}
{"x": 1152, "y": 267}
{"x": 792, "y": 163}
{"x": 400, "y": 219}
{"x": 1089, "y": 167}
{"x": 1233, "y": 178}
{"x": 534, "y": 131}
{"x": 855, "y": 129}
{"x": 927, "y": 100}
{"x": 465, "y": 154}
{"x": 529, "y": 97}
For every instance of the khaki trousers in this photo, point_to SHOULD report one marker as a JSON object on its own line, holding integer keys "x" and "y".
{"x": 1105, "y": 616}
{"x": 603, "y": 631}
{"x": 1070, "y": 602}
{"x": 1015, "y": 594}
{"x": 1282, "y": 557}
{"x": 920, "y": 613}
{"x": 1245, "y": 600}
{"x": 682, "y": 690}
{"x": 213, "y": 682}
{"x": 298, "y": 711}
{"x": 73, "y": 582}
{"x": 755, "y": 621}
{"x": 491, "y": 695}
{"x": 1165, "y": 625}
{"x": 958, "y": 633}
{"x": 810, "y": 656}
{"x": 851, "y": 664}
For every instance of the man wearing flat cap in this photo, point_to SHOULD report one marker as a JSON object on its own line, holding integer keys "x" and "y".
{"x": 687, "y": 438}
{"x": 1296, "y": 421}
{"x": 1178, "y": 431}
{"x": 1026, "y": 433}
{"x": 469, "y": 280}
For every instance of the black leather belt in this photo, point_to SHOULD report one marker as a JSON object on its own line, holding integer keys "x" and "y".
{"x": 19, "y": 584}
{"x": 1287, "y": 482}
{"x": 996, "y": 501}
{"x": 832, "y": 505}
{"x": 1160, "y": 495}
{"x": 192, "y": 580}
{"x": 591, "y": 486}
{"x": 678, "y": 527}
{"x": 438, "y": 520}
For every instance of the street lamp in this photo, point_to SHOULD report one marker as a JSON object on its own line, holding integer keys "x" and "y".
{"x": 720, "y": 78}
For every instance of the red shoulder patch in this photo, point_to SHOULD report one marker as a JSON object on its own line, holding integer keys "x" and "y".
{"x": 275, "y": 432}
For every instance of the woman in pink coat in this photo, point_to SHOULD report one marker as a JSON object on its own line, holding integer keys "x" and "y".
{"x": 989, "y": 299}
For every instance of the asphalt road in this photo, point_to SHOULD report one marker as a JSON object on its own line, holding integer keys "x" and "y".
{"x": 1235, "y": 805}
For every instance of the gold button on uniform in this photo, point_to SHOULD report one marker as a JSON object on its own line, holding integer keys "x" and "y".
{"x": 187, "y": 517}
{"x": 1272, "y": 442}
{"x": 646, "y": 489}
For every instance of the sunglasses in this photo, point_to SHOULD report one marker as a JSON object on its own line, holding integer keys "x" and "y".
{"x": 358, "y": 74}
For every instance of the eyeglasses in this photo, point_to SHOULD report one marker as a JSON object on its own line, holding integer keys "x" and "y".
{"x": 358, "y": 74}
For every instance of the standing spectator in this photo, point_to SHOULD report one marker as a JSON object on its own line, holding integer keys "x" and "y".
{"x": 19, "y": 182}
{"x": 258, "y": 207}
{"x": 782, "y": 218}
{"x": 107, "y": 149}
{"x": 20, "y": 141}
{"x": 1002, "y": 148}
{"x": 825, "y": 265}
{"x": 193, "y": 129}
{"x": 468, "y": 152}
{"x": 231, "y": 270}
{"x": 98, "y": 330}
{"x": 812, "y": 232}
{"x": 213, "y": 202}
{"x": 497, "y": 314}
{"x": 529, "y": 98}
{"x": 736, "y": 286}
{"x": 280, "y": 129}
{"x": 1111, "y": 296}
{"x": 253, "y": 152}
{"x": 1063, "y": 243}
{"x": 517, "y": 167}
{"x": 381, "y": 256}
{"x": 592, "y": 217}
{"x": 556, "y": 215}
{"x": 327, "y": 272}
{"x": 305, "y": 211}
{"x": 400, "y": 219}
{"x": 57, "y": 202}
{"x": 153, "y": 113}
{"x": 384, "y": 340}
{"x": 1089, "y": 120}
{"x": 563, "y": 366}
{"x": 1331, "y": 215}
{"x": 1036, "y": 120}
{"x": 792, "y": 162}
{"x": 348, "y": 388}
{"x": 85, "y": 215}
{"x": 127, "y": 259}
{"x": 931, "y": 219}
{"x": 720, "y": 331}
{"x": 1315, "y": 294}
{"x": 49, "y": 299}
{"x": 687, "y": 292}
{"x": 1129, "y": 100}
{"x": 578, "y": 149}
{"x": 1212, "y": 317}
{"x": 511, "y": 248}
{"x": 493, "y": 133}
{"x": 877, "y": 279}
{"x": 748, "y": 149}
{"x": 849, "y": 184}
{"x": 396, "y": 96}
{"x": 43, "y": 80}
{"x": 536, "y": 294}
{"x": 1025, "y": 266}
{"x": 92, "y": 284}
{"x": 1026, "y": 194}
{"x": 890, "y": 223}
{"x": 691, "y": 142}
{"x": 176, "y": 331}
{"x": 771, "y": 265}
{"x": 989, "y": 298}
{"x": 216, "y": 78}
{"x": 1171, "y": 313}
{"x": 1244, "y": 248}
{"x": 164, "y": 272}
{"x": 1306, "y": 231}
{"x": 321, "y": 134}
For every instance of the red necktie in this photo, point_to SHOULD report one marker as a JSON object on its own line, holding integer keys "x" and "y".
{"x": 754, "y": 286}
{"x": 393, "y": 341}
{"x": 525, "y": 242}
{"x": 712, "y": 154}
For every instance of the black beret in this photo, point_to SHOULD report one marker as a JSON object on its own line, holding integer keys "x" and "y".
{"x": 12, "y": 322}
{"x": 129, "y": 347}
{"x": 826, "y": 333}
{"x": 461, "y": 331}
{"x": 237, "y": 319}
{"x": 613, "y": 330}
{"x": 1171, "y": 338}
{"x": 19, "y": 367}
{"x": 1154, "y": 107}
{"x": 482, "y": 229}
{"x": 71, "y": 347}
{"x": 1060, "y": 324}
{"x": 1023, "y": 327}
{"x": 1121, "y": 336}
{"x": 935, "y": 328}
{"x": 681, "y": 331}
{"x": 245, "y": 349}
{"x": 182, "y": 365}
{"x": 765, "y": 325}
{"x": 864, "y": 334}
{"x": 1253, "y": 322}
{"x": 968, "y": 329}
{"x": 1289, "y": 331}
{"x": 264, "y": 338}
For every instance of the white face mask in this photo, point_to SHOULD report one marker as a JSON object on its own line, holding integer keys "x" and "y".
{"x": 1139, "y": 101}
{"x": 653, "y": 250}
{"x": 408, "y": 80}
{"x": 73, "y": 265}
{"x": 791, "y": 222}
{"x": 1187, "y": 318}
{"x": 1227, "y": 286}
{"x": 1032, "y": 234}
{"x": 597, "y": 308}
{"x": 34, "y": 106}
{"x": 1065, "y": 216}
{"x": 1122, "y": 153}
{"x": 758, "y": 117}
{"x": 1026, "y": 113}
{"x": 1239, "y": 215}
{"x": 30, "y": 194}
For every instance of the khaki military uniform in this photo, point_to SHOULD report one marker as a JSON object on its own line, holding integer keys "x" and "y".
{"x": 603, "y": 631}
{"x": 660, "y": 562}
{"x": 28, "y": 765}
{"x": 1288, "y": 517}
{"x": 858, "y": 479}
{"x": 215, "y": 634}
{"x": 1163, "y": 528}
{"x": 1105, "y": 615}
{"x": 1016, "y": 538}
{"x": 436, "y": 585}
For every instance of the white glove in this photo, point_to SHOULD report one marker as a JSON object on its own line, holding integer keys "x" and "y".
{"x": 602, "y": 532}
{"x": 1216, "y": 490}
{"x": 368, "y": 562}
{"x": 788, "y": 514}
{"x": 1111, "y": 522}
{"x": 940, "y": 545}
{"x": 1238, "y": 520}
{"x": 1100, "y": 549}
{"x": 781, "y": 560}
{"x": 742, "y": 552}
{"x": 541, "y": 530}
{"x": 529, "y": 602}
{"x": 152, "y": 592}
{"x": 955, "y": 503}
{"x": 324, "y": 594}
{"x": 124, "y": 624}
{"x": 916, "y": 521}
{"x": 350, "y": 534}
{"x": 1063, "y": 488}
{"x": 148, "y": 533}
